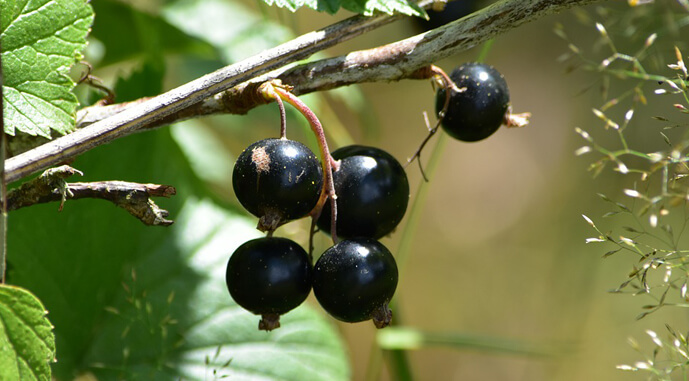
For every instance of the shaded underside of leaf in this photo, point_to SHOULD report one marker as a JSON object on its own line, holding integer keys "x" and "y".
{"x": 27, "y": 344}
{"x": 41, "y": 40}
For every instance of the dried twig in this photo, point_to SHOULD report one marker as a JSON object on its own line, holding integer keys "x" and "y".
{"x": 135, "y": 198}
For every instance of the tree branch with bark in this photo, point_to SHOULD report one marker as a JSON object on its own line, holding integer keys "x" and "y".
{"x": 232, "y": 89}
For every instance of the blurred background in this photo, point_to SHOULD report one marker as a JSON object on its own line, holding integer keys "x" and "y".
{"x": 498, "y": 252}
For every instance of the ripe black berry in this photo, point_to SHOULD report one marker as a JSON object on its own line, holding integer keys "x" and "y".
{"x": 269, "y": 276}
{"x": 478, "y": 106}
{"x": 277, "y": 180}
{"x": 355, "y": 280}
{"x": 372, "y": 193}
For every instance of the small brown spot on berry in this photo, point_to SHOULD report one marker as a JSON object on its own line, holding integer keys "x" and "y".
{"x": 261, "y": 159}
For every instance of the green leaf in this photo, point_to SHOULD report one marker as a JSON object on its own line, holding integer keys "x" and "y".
{"x": 246, "y": 35}
{"x": 41, "y": 40}
{"x": 177, "y": 320}
{"x": 210, "y": 160}
{"x": 364, "y": 7}
{"x": 144, "y": 81}
{"x": 369, "y": 7}
{"x": 27, "y": 344}
{"x": 74, "y": 260}
{"x": 129, "y": 33}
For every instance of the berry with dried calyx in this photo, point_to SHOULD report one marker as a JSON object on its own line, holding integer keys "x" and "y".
{"x": 277, "y": 180}
{"x": 269, "y": 276}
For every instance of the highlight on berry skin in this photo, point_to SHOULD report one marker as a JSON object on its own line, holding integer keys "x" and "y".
{"x": 372, "y": 193}
{"x": 277, "y": 180}
{"x": 354, "y": 281}
{"x": 479, "y": 103}
{"x": 269, "y": 276}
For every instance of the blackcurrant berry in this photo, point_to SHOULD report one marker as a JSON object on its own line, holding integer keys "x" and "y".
{"x": 354, "y": 281}
{"x": 372, "y": 193}
{"x": 277, "y": 180}
{"x": 269, "y": 276}
{"x": 478, "y": 104}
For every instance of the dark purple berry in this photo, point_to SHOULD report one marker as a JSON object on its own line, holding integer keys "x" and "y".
{"x": 372, "y": 193}
{"x": 478, "y": 104}
{"x": 269, "y": 276}
{"x": 277, "y": 180}
{"x": 354, "y": 281}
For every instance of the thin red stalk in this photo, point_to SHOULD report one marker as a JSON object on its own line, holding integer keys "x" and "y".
{"x": 327, "y": 160}
{"x": 268, "y": 91}
{"x": 283, "y": 118}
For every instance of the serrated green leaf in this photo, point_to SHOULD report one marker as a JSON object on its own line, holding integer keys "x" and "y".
{"x": 41, "y": 40}
{"x": 328, "y": 6}
{"x": 27, "y": 344}
{"x": 364, "y": 7}
{"x": 369, "y": 7}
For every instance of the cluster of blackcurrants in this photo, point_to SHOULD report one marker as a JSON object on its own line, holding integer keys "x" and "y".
{"x": 279, "y": 180}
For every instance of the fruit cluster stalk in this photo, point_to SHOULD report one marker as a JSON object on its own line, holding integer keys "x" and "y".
{"x": 329, "y": 164}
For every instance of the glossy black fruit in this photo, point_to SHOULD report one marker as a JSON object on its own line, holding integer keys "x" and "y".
{"x": 269, "y": 276}
{"x": 355, "y": 280}
{"x": 372, "y": 193}
{"x": 277, "y": 180}
{"x": 478, "y": 109}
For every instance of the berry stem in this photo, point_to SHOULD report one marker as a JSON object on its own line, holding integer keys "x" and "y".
{"x": 448, "y": 85}
{"x": 268, "y": 91}
{"x": 283, "y": 118}
{"x": 329, "y": 164}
